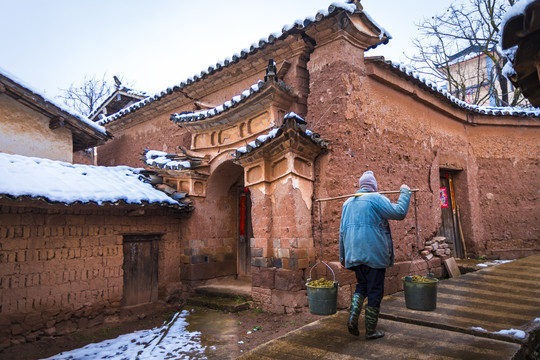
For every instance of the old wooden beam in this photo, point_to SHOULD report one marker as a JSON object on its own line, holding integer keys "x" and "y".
{"x": 57, "y": 122}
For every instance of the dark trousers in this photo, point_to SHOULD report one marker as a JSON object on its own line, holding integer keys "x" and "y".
{"x": 370, "y": 284}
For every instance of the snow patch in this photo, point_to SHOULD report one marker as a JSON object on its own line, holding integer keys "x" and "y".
{"x": 493, "y": 263}
{"x": 478, "y": 328}
{"x": 514, "y": 332}
{"x": 171, "y": 340}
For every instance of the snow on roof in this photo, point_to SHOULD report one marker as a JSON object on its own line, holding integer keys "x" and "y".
{"x": 200, "y": 115}
{"x": 61, "y": 182}
{"x": 57, "y": 104}
{"x": 135, "y": 92}
{"x": 263, "y": 42}
{"x": 515, "y": 10}
{"x": 470, "y": 53}
{"x": 485, "y": 110}
{"x": 257, "y": 142}
{"x": 164, "y": 160}
{"x": 262, "y": 139}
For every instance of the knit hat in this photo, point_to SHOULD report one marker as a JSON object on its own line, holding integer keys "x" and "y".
{"x": 368, "y": 182}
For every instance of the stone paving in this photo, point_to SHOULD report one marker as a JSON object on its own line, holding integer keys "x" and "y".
{"x": 480, "y": 315}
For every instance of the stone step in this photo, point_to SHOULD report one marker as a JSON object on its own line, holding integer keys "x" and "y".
{"x": 228, "y": 288}
{"x": 227, "y": 304}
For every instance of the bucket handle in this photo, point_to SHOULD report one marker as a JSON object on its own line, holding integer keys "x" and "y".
{"x": 328, "y": 266}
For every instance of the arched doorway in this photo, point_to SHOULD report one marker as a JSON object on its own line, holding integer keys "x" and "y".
{"x": 232, "y": 200}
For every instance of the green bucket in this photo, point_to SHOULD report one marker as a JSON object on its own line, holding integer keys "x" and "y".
{"x": 322, "y": 300}
{"x": 420, "y": 295}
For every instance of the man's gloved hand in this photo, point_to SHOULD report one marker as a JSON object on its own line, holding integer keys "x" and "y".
{"x": 405, "y": 187}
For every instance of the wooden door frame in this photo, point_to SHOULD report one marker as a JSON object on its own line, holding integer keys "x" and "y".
{"x": 154, "y": 239}
{"x": 248, "y": 233}
{"x": 452, "y": 204}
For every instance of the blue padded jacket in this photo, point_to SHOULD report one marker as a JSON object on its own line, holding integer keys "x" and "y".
{"x": 364, "y": 233}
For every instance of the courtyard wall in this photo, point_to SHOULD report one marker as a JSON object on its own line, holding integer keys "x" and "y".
{"x": 61, "y": 268}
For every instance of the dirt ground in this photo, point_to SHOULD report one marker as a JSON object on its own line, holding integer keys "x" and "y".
{"x": 262, "y": 327}
{"x": 268, "y": 326}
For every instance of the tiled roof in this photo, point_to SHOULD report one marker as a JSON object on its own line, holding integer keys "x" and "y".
{"x": 51, "y": 104}
{"x": 298, "y": 25}
{"x": 163, "y": 160}
{"x": 204, "y": 114}
{"x": 276, "y": 132}
{"x": 119, "y": 99}
{"x": 484, "y": 110}
{"x": 65, "y": 183}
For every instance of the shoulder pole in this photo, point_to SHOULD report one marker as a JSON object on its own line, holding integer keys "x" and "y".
{"x": 360, "y": 194}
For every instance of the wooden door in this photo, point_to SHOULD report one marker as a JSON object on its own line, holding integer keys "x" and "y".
{"x": 140, "y": 269}
{"x": 449, "y": 225}
{"x": 244, "y": 232}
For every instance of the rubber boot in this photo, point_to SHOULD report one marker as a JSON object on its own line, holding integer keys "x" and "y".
{"x": 372, "y": 317}
{"x": 356, "y": 309}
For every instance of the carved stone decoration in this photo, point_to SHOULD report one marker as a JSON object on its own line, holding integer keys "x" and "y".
{"x": 188, "y": 181}
{"x": 292, "y": 152}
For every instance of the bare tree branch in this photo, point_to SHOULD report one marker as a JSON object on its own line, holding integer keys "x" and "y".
{"x": 459, "y": 47}
{"x": 86, "y": 97}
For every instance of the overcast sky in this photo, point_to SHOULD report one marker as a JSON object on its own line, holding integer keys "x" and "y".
{"x": 154, "y": 44}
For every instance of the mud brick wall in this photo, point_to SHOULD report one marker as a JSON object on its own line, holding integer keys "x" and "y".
{"x": 61, "y": 267}
{"x": 379, "y": 121}
{"x": 508, "y": 174}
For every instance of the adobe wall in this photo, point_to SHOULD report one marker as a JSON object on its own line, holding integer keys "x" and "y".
{"x": 508, "y": 178}
{"x": 389, "y": 127}
{"x": 24, "y": 131}
{"x": 126, "y": 148}
{"x": 365, "y": 124}
{"x": 61, "y": 268}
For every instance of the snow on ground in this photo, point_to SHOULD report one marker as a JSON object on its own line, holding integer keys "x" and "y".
{"x": 494, "y": 262}
{"x": 513, "y": 332}
{"x": 170, "y": 341}
{"x": 516, "y": 333}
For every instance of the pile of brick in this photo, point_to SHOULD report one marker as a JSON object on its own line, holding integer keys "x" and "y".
{"x": 436, "y": 247}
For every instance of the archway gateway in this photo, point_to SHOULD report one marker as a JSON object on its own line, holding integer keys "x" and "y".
{"x": 249, "y": 174}
{"x": 229, "y": 205}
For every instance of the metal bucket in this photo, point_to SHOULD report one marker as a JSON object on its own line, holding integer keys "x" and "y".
{"x": 420, "y": 295}
{"x": 322, "y": 301}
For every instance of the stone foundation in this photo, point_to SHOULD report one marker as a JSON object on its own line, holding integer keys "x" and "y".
{"x": 284, "y": 291}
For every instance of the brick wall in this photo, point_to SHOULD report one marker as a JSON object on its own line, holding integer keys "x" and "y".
{"x": 61, "y": 268}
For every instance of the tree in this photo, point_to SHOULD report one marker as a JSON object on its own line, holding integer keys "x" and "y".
{"x": 460, "y": 48}
{"x": 85, "y": 98}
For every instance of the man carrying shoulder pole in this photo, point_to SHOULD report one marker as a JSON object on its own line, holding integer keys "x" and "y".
{"x": 366, "y": 247}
